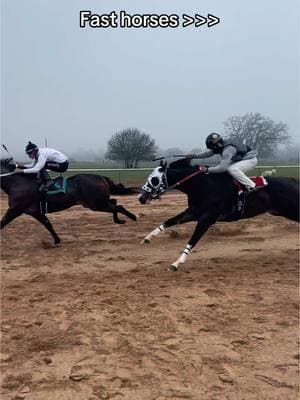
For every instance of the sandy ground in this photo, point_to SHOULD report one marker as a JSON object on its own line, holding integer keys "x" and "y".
{"x": 100, "y": 317}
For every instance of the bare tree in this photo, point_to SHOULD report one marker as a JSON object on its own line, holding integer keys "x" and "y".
{"x": 131, "y": 146}
{"x": 257, "y": 131}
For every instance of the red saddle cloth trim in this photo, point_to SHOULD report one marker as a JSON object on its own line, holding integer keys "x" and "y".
{"x": 259, "y": 181}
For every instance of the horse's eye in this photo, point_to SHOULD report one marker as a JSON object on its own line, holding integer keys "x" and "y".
{"x": 154, "y": 181}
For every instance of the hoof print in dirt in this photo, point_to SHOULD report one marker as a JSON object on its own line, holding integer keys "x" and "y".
{"x": 23, "y": 393}
{"x": 76, "y": 377}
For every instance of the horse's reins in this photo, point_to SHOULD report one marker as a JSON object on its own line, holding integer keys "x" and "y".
{"x": 183, "y": 180}
{"x": 9, "y": 173}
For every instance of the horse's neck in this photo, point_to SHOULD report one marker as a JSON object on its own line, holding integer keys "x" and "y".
{"x": 176, "y": 175}
{"x": 13, "y": 181}
{"x": 6, "y": 183}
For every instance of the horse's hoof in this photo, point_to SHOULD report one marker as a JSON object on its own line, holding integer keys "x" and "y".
{"x": 49, "y": 245}
{"x": 120, "y": 222}
{"x": 172, "y": 268}
{"x": 145, "y": 241}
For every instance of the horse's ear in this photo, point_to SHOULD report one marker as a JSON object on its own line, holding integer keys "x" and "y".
{"x": 161, "y": 163}
{"x": 164, "y": 166}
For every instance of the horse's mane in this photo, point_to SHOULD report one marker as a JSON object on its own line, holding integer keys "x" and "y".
{"x": 181, "y": 163}
{"x": 7, "y": 165}
{"x": 184, "y": 164}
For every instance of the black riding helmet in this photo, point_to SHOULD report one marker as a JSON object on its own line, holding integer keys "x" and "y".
{"x": 30, "y": 147}
{"x": 213, "y": 141}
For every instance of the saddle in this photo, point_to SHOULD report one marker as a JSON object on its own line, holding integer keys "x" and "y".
{"x": 50, "y": 188}
{"x": 54, "y": 186}
{"x": 259, "y": 181}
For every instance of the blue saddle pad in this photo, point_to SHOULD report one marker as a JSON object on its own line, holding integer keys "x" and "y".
{"x": 58, "y": 185}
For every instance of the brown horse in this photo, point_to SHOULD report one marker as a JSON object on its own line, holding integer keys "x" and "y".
{"x": 89, "y": 190}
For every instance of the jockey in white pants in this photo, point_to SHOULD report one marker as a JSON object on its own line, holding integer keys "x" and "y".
{"x": 236, "y": 159}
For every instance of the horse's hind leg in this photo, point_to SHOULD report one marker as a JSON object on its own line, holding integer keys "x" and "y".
{"x": 128, "y": 214}
{"x": 9, "y": 216}
{"x": 112, "y": 207}
{"x": 47, "y": 224}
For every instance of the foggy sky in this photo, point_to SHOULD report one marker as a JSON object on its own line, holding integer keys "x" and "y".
{"x": 76, "y": 87}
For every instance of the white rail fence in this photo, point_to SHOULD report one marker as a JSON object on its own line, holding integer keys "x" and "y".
{"x": 138, "y": 175}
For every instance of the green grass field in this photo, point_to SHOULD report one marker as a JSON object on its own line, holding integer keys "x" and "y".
{"x": 290, "y": 171}
{"x": 138, "y": 176}
{"x": 127, "y": 177}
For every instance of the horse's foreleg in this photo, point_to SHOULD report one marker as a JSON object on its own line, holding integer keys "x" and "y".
{"x": 202, "y": 226}
{"x": 154, "y": 233}
{"x": 185, "y": 216}
{"x": 47, "y": 224}
{"x": 9, "y": 216}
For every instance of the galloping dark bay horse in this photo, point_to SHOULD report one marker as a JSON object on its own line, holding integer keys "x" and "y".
{"x": 212, "y": 196}
{"x": 88, "y": 190}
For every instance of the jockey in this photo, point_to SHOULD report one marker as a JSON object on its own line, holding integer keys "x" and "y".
{"x": 42, "y": 159}
{"x": 236, "y": 159}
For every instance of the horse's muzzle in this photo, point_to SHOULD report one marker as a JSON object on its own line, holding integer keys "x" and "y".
{"x": 144, "y": 198}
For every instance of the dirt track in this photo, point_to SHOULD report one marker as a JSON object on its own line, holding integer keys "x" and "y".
{"x": 100, "y": 317}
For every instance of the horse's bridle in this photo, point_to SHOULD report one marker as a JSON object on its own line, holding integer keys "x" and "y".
{"x": 165, "y": 187}
{"x": 156, "y": 192}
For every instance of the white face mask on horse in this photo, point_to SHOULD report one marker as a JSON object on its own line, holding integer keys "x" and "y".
{"x": 155, "y": 185}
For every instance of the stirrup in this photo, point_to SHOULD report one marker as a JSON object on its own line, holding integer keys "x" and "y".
{"x": 43, "y": 188}
{"x": 251, "y": 190}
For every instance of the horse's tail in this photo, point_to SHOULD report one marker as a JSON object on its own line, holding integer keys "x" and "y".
{"x": 120, "y": 189}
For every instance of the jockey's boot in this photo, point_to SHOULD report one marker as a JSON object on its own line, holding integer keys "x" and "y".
{"x": 240, "y": 205}
{"x": 240, "y": 201}
{"x": 238, "y": 209}
{"x": 44, "y": 181}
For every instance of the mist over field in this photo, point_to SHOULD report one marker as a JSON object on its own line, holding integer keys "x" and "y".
{"x": 77, "y": 87}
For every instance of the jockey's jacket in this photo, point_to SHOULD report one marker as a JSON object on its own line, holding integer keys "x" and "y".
{"x": 44, "y": 155}
{"x": 230, "y": 154}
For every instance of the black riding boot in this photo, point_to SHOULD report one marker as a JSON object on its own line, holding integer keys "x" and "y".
{"x": 240, "y": 202}
{"x": 44, "y": 180}
{"x": 238, "y": 209}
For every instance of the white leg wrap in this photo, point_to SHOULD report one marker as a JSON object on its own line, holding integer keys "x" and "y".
{"x": 183, "y": 256}
{"x": 154, "y": 233}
